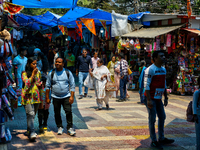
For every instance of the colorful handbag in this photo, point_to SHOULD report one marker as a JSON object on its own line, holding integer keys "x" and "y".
{"x": 110, "y": 86}
{"x": 129, "y": 71}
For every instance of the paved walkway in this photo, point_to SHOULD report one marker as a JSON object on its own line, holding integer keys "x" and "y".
{"x": 124, "y": 126}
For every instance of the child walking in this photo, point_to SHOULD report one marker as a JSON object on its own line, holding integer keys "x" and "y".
{"x": 43, "y": 111}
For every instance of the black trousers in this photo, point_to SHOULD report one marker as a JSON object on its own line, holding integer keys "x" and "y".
{"x": 68, "y": 111}
{"x": 43, "y": 117}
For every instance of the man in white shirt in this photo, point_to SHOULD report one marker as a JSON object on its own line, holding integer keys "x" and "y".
{"x": 20, "y": 61}
{"x": 95, "y": 58}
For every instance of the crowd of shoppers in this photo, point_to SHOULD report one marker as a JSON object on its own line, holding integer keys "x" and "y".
{"x": 38, "y": 88}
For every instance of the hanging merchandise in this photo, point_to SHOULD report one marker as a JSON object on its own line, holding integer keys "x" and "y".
{"x": 123, "y": 43}
{"x": 34, "y": 32}
{"x": 72, "y": 34}
{"x": 103, "y": 24}
{"x": 173, "y": 42}
{"x": 168, "y": 42}
{"x": 12, "y": 8}
{"x": 49, "y": 36}
{"x": 79, "y": 24}
{"x": 66, "y": 31}
{"x": 157, "y": 44}
{"x": 127, "y": 44}
{"x": 137, "y": 44}
{"x": 181, "y": 61}
{"x": 131, "y": 43}
{"x": 89, "y": 23}
{"x": 192, "y": 45}
{"x": 154, "y": 46}
{"x": 119, "y": 45}
{"x": 169, "y": 50}
{"x": 162, "y": 39}
{"x": 9, "y": 29}
{"x": 78, "y": 32}
{"x": 61, "y": 27}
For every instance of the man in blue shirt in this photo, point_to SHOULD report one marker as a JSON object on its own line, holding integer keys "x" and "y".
{"x": 61, "y": 84}
{"x": 20, "y": 61}
{"x": 82, "y": 70}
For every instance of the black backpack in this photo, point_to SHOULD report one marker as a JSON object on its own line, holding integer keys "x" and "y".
{"x": 189, "y": 111}
{"x": 53, "y": 72}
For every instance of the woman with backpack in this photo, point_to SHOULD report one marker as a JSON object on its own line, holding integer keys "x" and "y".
{"x": 196, "y": 114}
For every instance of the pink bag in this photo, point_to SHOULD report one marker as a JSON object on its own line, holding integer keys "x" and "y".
{"x": 117, "y": 69}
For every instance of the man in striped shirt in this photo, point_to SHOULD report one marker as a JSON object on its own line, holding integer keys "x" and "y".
{"x": 123, "y": 78}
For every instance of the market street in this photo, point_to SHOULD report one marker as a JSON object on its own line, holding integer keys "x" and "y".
{"x": 124, "y": 126}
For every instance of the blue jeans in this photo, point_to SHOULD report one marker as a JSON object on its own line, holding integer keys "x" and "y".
{"x": 20, "y": 84}
{"x": 122, "y": 87}
{"x": 197, "y": 128}
{"x": 81, "y": 78}
{"x": 158, "y": 108}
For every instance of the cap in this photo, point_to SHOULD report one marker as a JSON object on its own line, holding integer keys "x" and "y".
{"x": 36, "y": 51}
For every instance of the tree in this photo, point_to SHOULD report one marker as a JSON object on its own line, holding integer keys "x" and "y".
{"x": 39, "y": 11}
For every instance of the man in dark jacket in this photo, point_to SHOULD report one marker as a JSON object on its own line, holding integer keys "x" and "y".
{"x": 82, "y": 70}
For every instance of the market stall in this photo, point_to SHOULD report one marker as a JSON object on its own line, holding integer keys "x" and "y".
{"x": 142, "y": 43}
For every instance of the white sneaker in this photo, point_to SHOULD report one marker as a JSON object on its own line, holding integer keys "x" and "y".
{"x": 33, "y": 136}
{"x": 60, "y": 131}
{"x": 71, "y": 131}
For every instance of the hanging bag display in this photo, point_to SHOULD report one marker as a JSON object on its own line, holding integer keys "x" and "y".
{"x": 189, "y": 111}
{"x": 2, "y": 51}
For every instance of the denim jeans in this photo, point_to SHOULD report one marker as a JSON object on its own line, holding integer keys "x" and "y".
{"x": 122, "y": 87}
{"x": 158, "y": 108}
{"x": 197, "y": 128}
{"x": 31, "y": 110}
{"x": 19, "y": 86}
{"x": 81, "y": 78}
{"x": 68, "y": 111}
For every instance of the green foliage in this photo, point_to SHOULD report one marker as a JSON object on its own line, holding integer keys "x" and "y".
{"x": 39, "y": 11}
{"x": 127, "y": 6}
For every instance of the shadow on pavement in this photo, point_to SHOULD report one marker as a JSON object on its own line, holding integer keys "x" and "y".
{"x": 176, "y": 132}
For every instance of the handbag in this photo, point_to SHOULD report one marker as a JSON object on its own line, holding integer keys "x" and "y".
{"x": 129, "y": 71}
{"x": 110, "y": 86}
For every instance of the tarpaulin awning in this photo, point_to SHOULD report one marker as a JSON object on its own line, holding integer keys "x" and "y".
{"x": 30, "y": 22}
{"x": 74, "y": 14}
{"x": 46, "y": 3}
{"x": 193, "y": 31}
{"x": 43, "y": 21}
{"x": 99, "y": 14}
{"x": 51, "y": 16}
{"x": 138, "y": 16}
{"x": 151, "y": 32}
{"x": 80, "y": 12}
